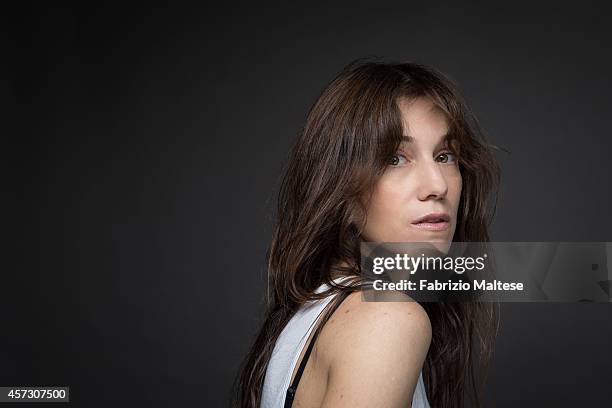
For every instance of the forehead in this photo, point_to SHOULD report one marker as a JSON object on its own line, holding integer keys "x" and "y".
{"x": 422, "y": 120}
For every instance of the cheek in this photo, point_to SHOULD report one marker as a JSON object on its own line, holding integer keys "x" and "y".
{"x": 455, "y": 188}
{"x": 385, "y": 208}
{"x": 458, "y": 189}
{"x": 455, "y": 185}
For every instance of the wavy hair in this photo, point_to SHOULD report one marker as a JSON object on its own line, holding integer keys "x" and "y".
{"x": 351, "y": 132}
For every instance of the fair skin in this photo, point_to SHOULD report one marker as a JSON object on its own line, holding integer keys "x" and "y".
{"x": 423, "y": 178}
{"x": 371, "y": 353}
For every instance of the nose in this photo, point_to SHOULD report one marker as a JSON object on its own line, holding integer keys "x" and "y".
{"x": 432, "y": 182}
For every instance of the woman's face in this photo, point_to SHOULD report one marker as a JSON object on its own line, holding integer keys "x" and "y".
{"x": 421, "y": 180}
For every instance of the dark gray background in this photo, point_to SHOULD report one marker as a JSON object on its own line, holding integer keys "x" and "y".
{"x": 145, "y": 151}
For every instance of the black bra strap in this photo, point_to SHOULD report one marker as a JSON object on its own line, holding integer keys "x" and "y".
{"x": 291, "y": 390}
{"x": 298, "y": 375}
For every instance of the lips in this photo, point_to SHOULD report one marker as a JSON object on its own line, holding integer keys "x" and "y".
{"x": 433, "y": 222}
{"x": 433, "y": 218}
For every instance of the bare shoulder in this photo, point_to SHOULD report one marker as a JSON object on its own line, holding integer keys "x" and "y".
{"x": 374, "y": 352}
{"x": 358, "y": 322}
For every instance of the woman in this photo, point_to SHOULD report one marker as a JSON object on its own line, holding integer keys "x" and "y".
{"x": 389, "y": 153}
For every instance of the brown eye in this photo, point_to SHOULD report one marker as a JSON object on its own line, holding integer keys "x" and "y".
{"x": 447, "y": 157}
{"x": 397, "y": 159}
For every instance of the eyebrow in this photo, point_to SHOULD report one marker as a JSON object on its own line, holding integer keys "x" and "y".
{"x": 410, "y": 139}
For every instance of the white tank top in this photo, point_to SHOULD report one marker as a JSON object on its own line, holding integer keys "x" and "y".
{"x": 288, "y": 348}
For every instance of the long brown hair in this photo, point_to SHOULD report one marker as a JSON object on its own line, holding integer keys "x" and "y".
{"x": 352, "y": 131}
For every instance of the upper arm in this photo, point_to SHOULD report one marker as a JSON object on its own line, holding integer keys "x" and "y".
{"x": 377, "y": 350}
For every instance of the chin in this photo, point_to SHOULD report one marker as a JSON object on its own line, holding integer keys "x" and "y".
{"x": 443, "y": 246}
{"x": 441, "y": 243}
